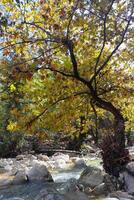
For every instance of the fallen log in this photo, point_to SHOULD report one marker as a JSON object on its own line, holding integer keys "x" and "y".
{"x": 50, "y": 151}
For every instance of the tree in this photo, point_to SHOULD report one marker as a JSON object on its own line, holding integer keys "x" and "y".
{"x": 83, "y": 45}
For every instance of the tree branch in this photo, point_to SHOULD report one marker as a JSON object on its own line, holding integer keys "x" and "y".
{"x": 71, "y": 18}
{"x": 28, "y": 124}
{"x": 24, "y": 42}
{"x": 70, "y": 46}
{"x": 114, "y": 50}
{"x": 60, "y": 72}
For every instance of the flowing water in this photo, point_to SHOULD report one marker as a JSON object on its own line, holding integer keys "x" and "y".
{"x": 30, "y": 190}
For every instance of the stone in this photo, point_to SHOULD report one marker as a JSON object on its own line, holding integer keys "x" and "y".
{"x": 109, "y": 198}
{"x": 128, "y": 181}
{"x": 39, "y": 172}
{"x": 60, "y": 156}
{"x": 13, "y": 198}
{"x": 5, "y": 182}
{"x": 31, "y": 157}
{"x": 110, "y": 183}
{"x": 60, "y": 163}
{"x": 2, "y": 170}
{"x": 91, "y": 177}
{"x": 49, "y": 194}
{"x": 8, "y": 167}
{"x": 121, "y": 195}
{"x": 130, "y": 167}
{"x": 77, "y": 195}
{"x": 80, "y": 162}
{"x": 70, "y": 186}
{"x": 20, "y": 157}
{"x": 20, "y": 178}
{"x": 43, "y": 157}
{"x": 100, "y": 189}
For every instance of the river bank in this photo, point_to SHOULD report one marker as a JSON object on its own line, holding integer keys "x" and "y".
{"x": 82, "y": 177}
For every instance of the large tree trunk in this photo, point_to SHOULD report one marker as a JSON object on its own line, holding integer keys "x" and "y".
{"x": 114, "y": 154}
{"x": 119, "y": 125}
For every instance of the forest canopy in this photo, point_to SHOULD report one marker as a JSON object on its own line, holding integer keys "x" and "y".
{"x": 66, "y": 64}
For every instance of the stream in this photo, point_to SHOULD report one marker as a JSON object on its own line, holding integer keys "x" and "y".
{"x": 28, "y": 191}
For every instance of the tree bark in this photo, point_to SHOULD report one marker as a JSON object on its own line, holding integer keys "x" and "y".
{"x": 119, "y": 124}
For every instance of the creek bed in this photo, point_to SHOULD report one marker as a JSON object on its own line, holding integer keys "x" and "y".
{"x": 29, "y": 191}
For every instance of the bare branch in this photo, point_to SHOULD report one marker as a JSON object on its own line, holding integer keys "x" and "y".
{"x": 34, "y": 58}
{"x": 24, "y": 42}
{"x": 71, "y": 18}
{"x": 60, "y": 72}
{"x": 37, "y": 26}
{"x": 104, "y": 39}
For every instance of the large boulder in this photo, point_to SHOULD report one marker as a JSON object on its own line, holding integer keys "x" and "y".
{"x": 49, "y": 194}
{"x": 127, "y": 177}
{"x": 20, "y": 178}
{"x": 91, "y": 177}
{"x": 70, "y": 185}
{"x": 39, "y": 172}
{"x": 130, "y": 167}
{"x": 79, "y": 162}
{"x": 60, "y": 160}
{"x": 60, "y": 163}
{"x": 121, "y": 195}
{"x": 5, "y": 181}
{"x": 61, "y": 156}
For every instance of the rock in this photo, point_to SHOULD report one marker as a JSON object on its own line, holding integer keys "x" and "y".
{"x": 43, "y": 157}
{"x": 89, "y": 149}
{"x": 60, "y": 156}
{"x": 70, "y": 186}
{"x": 20, "y": 178}
{"x": 110, "y": 182}
{"x": 80, "y": 162}
{"x": 12, "y": 198}
{"x": 121, "y": 195}
{"x": 49, "y": 194}
{"x": 2, "y": 170}
{"x": 100, "y": 189}
{"x": 128, "y": 182}
{"x": 8, "y": 168}
{"x": 31, "y": 157}
{"x": 20, "y": 157}
{"x": 39, "y": 172}
{"x": 130, "y": 167}
{"x": 40, "y": 162}
{"x": 76, "y": 196}
{"x": 5, "y": 182}
{"x": 108, "y": 198}
{"x": 60, "y": 163}
{"x": 91, "y": 177}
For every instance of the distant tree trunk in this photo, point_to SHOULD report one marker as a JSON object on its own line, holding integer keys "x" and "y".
{"x": 129, "y": 140}
{"x": 76, "y": 143}
{"x": 94, "y": 135}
